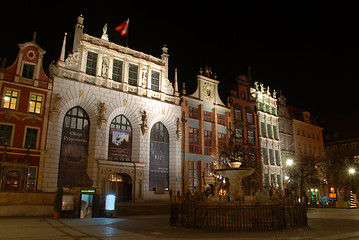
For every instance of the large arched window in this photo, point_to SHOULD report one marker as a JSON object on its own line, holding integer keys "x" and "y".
{"x": 74, "y": 148}
{"x": 120, "y": 142}
{"x": 159, "y": 156}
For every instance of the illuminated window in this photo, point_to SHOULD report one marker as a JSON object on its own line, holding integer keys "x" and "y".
{"x": 91, "y": 63}
{"x": 35, "y": 103}
{"x": 155, "y": 81}
{"x": 28, "y": 70}
{"x": 10, "y": 99}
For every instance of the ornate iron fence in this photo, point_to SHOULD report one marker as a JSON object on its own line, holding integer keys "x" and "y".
{"x": 237, "y": 216}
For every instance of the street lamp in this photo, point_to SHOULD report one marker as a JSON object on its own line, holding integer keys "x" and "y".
{"x": 289, "y": 162}
{"x": 351, "y": 170}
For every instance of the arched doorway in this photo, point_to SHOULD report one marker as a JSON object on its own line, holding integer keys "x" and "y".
{"x": 74, "y": 149}
{"x": 159, "y": 157}
{"x": 12, "y": 181}
{"x": 121, "y": 186}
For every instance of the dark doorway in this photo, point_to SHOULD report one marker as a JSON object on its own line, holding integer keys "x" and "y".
{"x": 121, "y": 186}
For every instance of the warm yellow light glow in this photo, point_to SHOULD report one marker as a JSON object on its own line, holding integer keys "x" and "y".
{"x": 290, "y": 162}
{"x": 351, "y": 170}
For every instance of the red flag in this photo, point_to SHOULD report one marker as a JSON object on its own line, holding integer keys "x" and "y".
{"x": 123, "y": 28}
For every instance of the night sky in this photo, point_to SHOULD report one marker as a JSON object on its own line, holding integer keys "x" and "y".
{"x": 308, "y": 50}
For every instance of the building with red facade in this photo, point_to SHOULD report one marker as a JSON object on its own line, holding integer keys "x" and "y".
{"x": 24, "y": 110}
{"x": 206, "y": 121}
{"x": 244, "y": 119}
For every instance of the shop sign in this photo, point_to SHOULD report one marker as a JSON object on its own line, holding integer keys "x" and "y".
{"x": 332, "y": 195}
{"x": 88, "y": 191}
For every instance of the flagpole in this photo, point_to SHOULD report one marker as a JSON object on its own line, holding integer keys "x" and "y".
{"x": 128, "y": 32}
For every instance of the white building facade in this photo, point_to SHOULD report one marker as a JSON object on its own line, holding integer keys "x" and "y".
{"x": 113, "y": 122}
{"x": 269, "y": 140}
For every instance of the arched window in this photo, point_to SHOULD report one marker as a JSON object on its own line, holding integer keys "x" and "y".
{"x": 159, "y": 156}
{"x": 120, "y": 142}
{"x": 74, "y": 148}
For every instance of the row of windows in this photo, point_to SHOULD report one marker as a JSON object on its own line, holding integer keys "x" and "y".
{"x": 268, "y": 109}
{"x": 303, "y": 148}
{"x": 302, "y": 132}
{"x": 30, "y": 138}
{"x": 273, "y": 156}
{"x": 12, "y": 98}
{"x": 194, "y": 173}
{"x": 193, "y": 138}
{"x": 275, "y": 181}
{"x": 250, "y": 135}
{"x": 207, "y": 115}
{"x": 238, "y": 115}
{"x": 267, "y": 130}
{"x": 117, "y": 71}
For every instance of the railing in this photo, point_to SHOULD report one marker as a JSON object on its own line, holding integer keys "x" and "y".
{"x": 237, "y": 216}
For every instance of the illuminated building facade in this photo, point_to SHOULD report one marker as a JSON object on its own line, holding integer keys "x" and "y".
{"x": 269, "y": 141}
{"x": 25, "y": 98}
{"x": 205, "y": 131}
{"x": 113, "y": 122}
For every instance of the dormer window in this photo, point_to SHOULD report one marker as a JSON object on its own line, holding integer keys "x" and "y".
{"x": 28, "y": 70}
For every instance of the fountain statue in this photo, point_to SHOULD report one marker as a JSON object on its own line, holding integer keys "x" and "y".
{"x": 235, "y": 173}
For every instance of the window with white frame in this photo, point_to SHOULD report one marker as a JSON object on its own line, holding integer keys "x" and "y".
{"x": 91, "y": 63}
{"x": 28, "y": 70}
{"x": 117, "y": 70}
{"x": 132, "y": 74}
{"x": 155, "y": 81}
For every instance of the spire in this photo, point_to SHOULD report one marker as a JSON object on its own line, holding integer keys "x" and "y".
{"x": 249, "y": 74}
{"x": 176, "y": 82}
{"x": 79, "y": 29}
{"x": 62, "y": 56}
{"x": 34, "y": 37}
{"x": 184, "y": 89}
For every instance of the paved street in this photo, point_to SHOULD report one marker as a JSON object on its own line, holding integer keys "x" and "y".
{"x": 329, "y": 224}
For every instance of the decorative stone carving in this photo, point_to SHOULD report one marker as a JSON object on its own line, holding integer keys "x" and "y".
{"x": 72, "y": 61}
{"x": 179, "y": 129}
{"x": 104, "y": 33}
{"x": 101, "y": 112}
{"x": 105, "y": 67}
{"x": 144, "y": 127}
{"x": 144, "y": 78}
{"x": 57, "y": 102}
